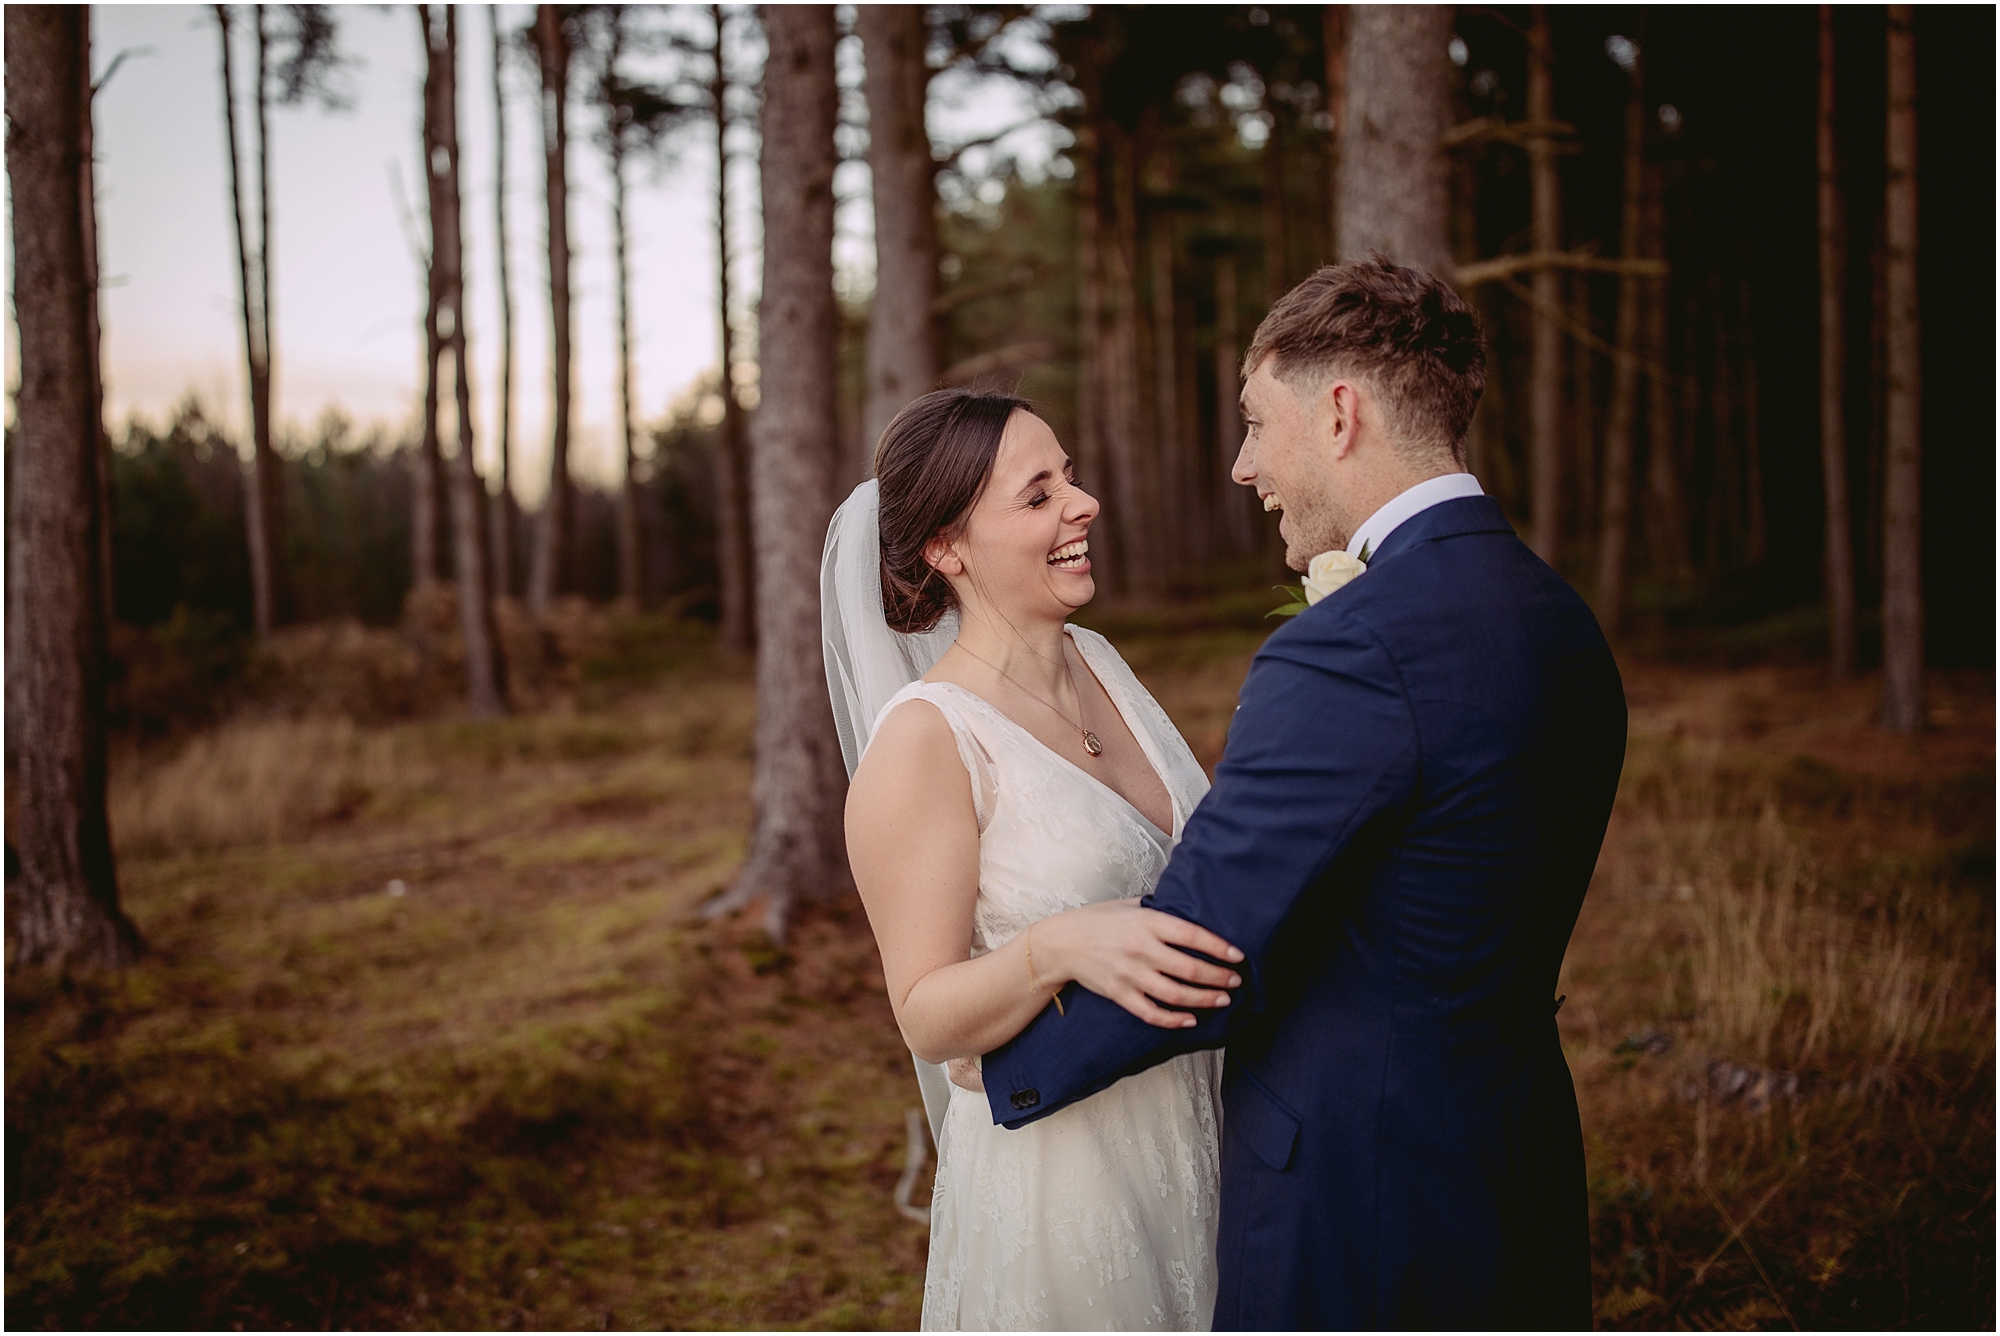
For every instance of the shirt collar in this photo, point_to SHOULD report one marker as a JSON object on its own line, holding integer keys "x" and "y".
{"x": 1375, "y": 530}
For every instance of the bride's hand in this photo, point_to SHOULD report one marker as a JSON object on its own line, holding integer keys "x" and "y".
{"x": 1138, "y": 958}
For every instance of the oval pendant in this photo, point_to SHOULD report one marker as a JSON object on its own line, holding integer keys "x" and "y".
{"x": 1091, "y": 744}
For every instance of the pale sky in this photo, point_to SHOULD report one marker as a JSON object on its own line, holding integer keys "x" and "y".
{"x": 348, "y": 295}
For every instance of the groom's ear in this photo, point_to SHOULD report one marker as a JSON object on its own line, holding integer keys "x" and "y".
{"x": 943, "y": 557}
{"x": 1339, "y": 412}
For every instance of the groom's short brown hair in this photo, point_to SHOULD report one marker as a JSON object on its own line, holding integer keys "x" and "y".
{"x": 1405, "y": 331}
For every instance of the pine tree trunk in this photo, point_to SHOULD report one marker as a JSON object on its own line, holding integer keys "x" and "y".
{"x": 485, "y": 669}
{"x": 735, "y": 568}
{"x": 1754, "y": 519}
{"x": 796, "y": 850}
{"x": 1667, "y": 509}
{"x": 1614, "y": 513}
{"x": 1134, "y": 467}
{"x": 1395, "y": 186}
{"x": 1583, "y": 433}
{"x": 630, "y": 587}
{"x": 426, "y": 490}
{"x": 259, "y": 512}
{"x": 902, "y": 342}
{"x": 267, "y": 470}
{"x": 1096, "y": 468}
{"x": 1545, "y": 357}
{"x": 550, "y": 574}
{"x": 1172, "y": 513}
{"x": 63, "y": 909}
{"x": 1333, "y": 44}
{"x": 1840, "y": 603}
{"x": 1725, "y": 501}
{"x": 1277, "y": 236}
{"x": 1902, "y": 527}
{"x": 1239, "y": 524}
{"x": 506, "y": 512}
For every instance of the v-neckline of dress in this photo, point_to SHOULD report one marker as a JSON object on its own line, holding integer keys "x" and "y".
{"x": 1152, "y": 761}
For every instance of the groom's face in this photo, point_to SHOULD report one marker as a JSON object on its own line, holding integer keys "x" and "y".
{"x": 1292, "y": 448}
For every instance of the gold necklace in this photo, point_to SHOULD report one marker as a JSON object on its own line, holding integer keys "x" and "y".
{"x": 1090, "y": 742}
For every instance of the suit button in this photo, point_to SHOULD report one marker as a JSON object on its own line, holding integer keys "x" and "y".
{"x": 1025, "y": 1099}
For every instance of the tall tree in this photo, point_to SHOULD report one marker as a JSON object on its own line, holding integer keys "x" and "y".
{"x": 1615, "y": 509}
{"x": 301, "y": 72}
{"x": 1395, "y": 187}
{"x": 1333, "y": 47}
{"x": 485, "y": 669}
{"x": 1667, "y": 508}
{"x": 620, "y": 115}
{"x": 796, "y": 850}
{"x": 67, "y": 908}
{"x": 506, "y": 512}
{"x": 1832, "y": 369}
{"x": 262, "y": 511}
{"x": 1545, "y": 357}
{"x": 902, "y": 340}
{"x": 732, "y": 462}
{"x": 551, "y": 571}
{"x": 1902, "y": 525}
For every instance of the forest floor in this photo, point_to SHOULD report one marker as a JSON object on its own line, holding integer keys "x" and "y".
{"x": 430, "y": 1034}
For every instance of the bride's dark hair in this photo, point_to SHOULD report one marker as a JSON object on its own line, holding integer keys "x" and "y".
{"x": 932, "y": 464}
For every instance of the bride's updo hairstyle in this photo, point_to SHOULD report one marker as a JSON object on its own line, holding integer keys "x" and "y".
{"x": 932, "y": 464}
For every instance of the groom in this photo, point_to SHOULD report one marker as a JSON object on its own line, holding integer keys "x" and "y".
{"x": 1402, "y": 827}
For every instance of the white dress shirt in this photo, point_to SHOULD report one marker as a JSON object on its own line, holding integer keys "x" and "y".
{"x": 1375, "y": 530}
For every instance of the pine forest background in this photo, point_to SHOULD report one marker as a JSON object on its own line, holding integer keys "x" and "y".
{"x": 375, "y": 844}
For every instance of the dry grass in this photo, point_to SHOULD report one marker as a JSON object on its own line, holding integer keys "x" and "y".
{"x": 531, "y": 1091}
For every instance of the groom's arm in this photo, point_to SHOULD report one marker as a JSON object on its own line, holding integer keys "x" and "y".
{"x": 1323, "y": 742}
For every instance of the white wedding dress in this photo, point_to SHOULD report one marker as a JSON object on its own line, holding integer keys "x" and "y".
{"x": 1102, "y": 1215}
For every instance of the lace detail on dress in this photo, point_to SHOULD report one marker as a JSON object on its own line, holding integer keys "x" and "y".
{"x": 1101, "y": 1216}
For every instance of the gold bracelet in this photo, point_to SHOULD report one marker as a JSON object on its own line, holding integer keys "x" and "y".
{"x": 1034, "y": 981}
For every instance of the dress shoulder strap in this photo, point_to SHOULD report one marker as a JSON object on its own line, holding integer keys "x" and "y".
{"x": 973, "y": 751}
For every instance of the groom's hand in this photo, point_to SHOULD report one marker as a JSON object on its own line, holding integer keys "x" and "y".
{"x": 964, "y": 1073}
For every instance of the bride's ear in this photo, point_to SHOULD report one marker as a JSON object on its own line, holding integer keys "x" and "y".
{"x": 943, "y": 557}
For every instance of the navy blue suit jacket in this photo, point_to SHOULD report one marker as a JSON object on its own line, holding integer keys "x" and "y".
{"x": 1404, "y": 822}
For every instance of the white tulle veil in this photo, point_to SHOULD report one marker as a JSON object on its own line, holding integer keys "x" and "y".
{"x": 867, "y": 663}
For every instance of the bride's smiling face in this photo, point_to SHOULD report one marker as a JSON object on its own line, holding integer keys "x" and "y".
{"x": 1025, "y": 549}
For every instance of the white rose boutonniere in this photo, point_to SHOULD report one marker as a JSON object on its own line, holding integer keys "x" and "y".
{"x": 1326, "y": 573}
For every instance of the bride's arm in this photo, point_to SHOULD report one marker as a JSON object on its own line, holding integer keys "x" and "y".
{"x": 913, "y": 842}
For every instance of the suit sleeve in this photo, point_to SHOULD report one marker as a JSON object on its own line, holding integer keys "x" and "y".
{"x": 1323, "y": 742}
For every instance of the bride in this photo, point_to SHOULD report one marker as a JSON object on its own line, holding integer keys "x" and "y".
{"x": 1014, "y": 790}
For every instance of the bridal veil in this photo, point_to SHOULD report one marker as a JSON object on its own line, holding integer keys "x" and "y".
{"x": 867, "y": 663}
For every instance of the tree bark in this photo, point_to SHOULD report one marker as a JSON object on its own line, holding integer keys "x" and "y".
{"x": 796, "y": 850}
{"x": 1094, "y": 464}
{"x": 506, "y": 511}
{"x": 902, "y": 342}
{"x": 1582, "y": 489}
{"x": 1902, "y": 528}
{"x": 1614, "y": 515}
{"x": 1667, "y": 511}
{"x": 1277, "y": 238}
{"x": 261, "y": 510}
{"x": 426, "y": 493}
{"x": 551, "y": 570}
{"x": 485, "y": 668}
{"x": 1840, "y": 604}
{"x": 1333, "y": 43}
{"x": 1545, "y": 356}
{"x": 1172, "y": 514}
{"x": 64, "y": 905}
{"x": 1395, "y": 187}
{"x": 1134, "y": 468}
{"x": 630, "y": 587}
{"x": 735, "y": 568}
{"x": 1238, "y": 523}
{"x": 1754, "y": 520}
